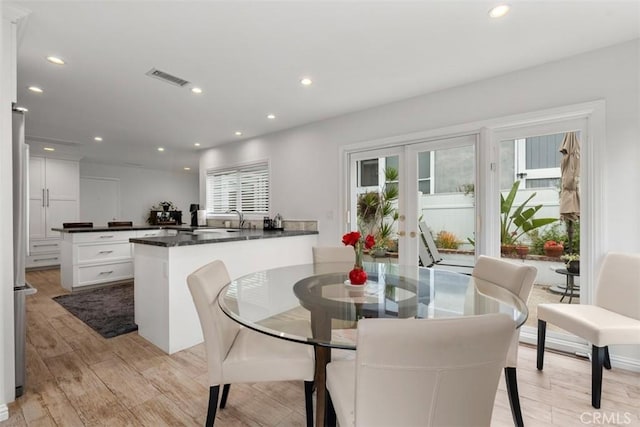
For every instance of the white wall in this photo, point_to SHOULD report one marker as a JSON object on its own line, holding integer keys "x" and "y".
{"x": 305, "y": 160}
{"x": 142, "y": 188}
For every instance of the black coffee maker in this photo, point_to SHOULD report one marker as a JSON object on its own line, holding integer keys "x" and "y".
{"x": 193, "y": 208}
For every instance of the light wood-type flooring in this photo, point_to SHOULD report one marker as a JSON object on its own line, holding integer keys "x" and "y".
{"x": 77, "y": 378}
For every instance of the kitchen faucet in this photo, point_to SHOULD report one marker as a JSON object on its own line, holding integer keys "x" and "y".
{"x": 240, "y": 219}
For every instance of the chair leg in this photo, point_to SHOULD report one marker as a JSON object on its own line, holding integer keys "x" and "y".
{"x": 330, "y": 419}
{"x": 213, "y": 404}
{"x": 597, "y": 361}
{"x": 308, "y": 401}
{"x": 542, "y": 332}
{"x": 607, "y": 361}
{"x": 225, "y": 394}
{"x": 514, "y": 399}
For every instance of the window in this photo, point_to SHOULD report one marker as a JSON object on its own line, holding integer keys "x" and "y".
{"x": 245, "y": 188}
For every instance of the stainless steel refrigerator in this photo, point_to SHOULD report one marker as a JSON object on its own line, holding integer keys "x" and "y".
{"x": 20, "y": 244}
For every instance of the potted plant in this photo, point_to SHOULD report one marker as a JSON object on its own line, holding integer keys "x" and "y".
{"x": 522, "y": 250}
{"x": 553, "y": 249}
{"x": 572, "y": 262}
{"x": 514, "y": 225}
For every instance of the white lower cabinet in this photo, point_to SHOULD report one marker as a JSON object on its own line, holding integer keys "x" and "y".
{"x": 43, "y": 253}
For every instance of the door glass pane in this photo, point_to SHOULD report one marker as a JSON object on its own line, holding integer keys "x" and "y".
{"x": 446, "y": 187}
{"x": 375, "y": 203}
{"x": 532, "y": 229}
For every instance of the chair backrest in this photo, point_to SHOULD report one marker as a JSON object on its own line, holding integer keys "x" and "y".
{"x": 427, "y": 248}
{"x": 219, "y": 331}
{"x": 333, "y": 254}
{"x": 77, "y": 225}
{"x": 618, "y": 287}
{"x": 516, "y": 278}
{"x": 429, "y": 372}
{"x": 333, "y": 259}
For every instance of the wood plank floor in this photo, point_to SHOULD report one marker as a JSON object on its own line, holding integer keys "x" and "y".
{"x": 77, "y": 378}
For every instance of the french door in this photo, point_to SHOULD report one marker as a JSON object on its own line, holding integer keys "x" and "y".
{"x": 436, "y": 184}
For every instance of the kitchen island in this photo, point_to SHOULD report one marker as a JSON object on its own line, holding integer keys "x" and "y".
{"x": 164, "y": 310}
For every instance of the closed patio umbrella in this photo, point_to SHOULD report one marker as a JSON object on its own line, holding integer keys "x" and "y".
{"x": 570, "y": 179}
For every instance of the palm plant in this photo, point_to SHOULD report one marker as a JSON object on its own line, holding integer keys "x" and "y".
{"x": 377, "y": 212}
{"x": 521, "y": 221}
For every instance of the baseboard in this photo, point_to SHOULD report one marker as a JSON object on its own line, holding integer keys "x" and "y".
{"x": 4, "y": 412}
{"x": 579, "y": 349}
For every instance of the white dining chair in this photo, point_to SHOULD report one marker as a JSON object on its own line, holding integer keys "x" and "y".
{"x": 441, "y": 372}
{"x": 239, "y": 355}
{"x": 517, "y": 279}
{"x": 613, "y": 318}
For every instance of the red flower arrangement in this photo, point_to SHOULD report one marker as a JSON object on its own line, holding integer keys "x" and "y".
{"x": 358, "y": 276}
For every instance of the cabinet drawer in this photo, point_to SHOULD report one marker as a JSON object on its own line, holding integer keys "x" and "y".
{"x": 109, "y": 251}
{"x": 103, "y": 237}
{"x": 90, "y": 275}
{"x": 42, "y": 260}
{"x": 40, "y": 246}
{"x": 151, "y": 233}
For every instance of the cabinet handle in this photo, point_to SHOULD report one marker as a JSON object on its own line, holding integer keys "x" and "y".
{"x": 47, "y": 197}
{"x": 42, "y": 246}
{"x": 106, "y": 272}
{"x": 45, "y": 259}
{"x": 43, "y": 199}
{"x": 105, "y": 252}
{"x": 106, "y": 237}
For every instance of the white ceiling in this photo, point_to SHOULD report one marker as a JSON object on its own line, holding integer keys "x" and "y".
{"x": 248, "y": 58}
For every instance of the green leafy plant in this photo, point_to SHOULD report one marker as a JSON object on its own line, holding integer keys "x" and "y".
{"x": 376, "y": 211}
{"x": 540, "y": 236}
{"x": 519, "y": 221}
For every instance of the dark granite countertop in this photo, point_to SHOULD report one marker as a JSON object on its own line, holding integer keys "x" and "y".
{"x": 183, "y": 227}
{"x": 218, "y": 235}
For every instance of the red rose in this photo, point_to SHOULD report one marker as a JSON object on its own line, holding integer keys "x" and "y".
{"x": 369, "y": 241}
{"x": 351, "y": 238}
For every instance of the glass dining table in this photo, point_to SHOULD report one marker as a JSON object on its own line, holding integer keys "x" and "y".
{"x": 315, "y": 304}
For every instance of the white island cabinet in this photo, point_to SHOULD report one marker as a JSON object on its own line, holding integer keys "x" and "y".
{"x": 164, "y": 310}
{"x": 97, "y": 256}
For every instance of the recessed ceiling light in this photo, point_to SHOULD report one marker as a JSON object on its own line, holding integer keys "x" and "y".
{"x": 499, "y": 11}
{"x": 23, "y": 109}
{"x": 35, "y": 89}
{"x": 55, "y": 60}
{"x": 238, "y": 133}
{"x": 187, "y": 169}
{"x": 271, "y": 116}
{"x": 197, "y": 144}
{"x": 98, "y": 138}
{"x": 49, "y": 149}
{"x": 306, "y": 81}
{"x": 196, "y": 90}
{"x": 160, "y": 149}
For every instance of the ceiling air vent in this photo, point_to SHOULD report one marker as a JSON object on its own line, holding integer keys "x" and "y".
{"x": 166, "y": 77}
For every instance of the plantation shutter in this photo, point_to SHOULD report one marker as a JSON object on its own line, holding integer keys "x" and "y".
{"x": 245, "y": 189}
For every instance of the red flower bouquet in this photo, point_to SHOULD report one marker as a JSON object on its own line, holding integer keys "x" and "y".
{"x": 358, "y": 276}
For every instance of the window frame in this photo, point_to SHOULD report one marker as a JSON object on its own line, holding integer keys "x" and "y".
{"x": 238, "y": 170}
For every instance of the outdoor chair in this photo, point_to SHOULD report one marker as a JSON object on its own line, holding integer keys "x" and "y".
{"x": 613, "y": 318}
{"x": 240, "y": 355}
{"x": 517, "y": 279}
{"x": 430, "y": 255}
{"x": 441, "y": 372}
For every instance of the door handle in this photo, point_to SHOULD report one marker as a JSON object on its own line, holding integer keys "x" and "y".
{"x": 43, "y": 199}
{"x": 47, "y": 197}
{"x": 401, "y": 233}
{"x": 412, "y": 234}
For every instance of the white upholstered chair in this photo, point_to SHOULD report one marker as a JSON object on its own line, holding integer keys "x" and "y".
{"x": 239, "y": 355}
{"x": 517, "y": 279}
{"x": 412, "y": 372}
{"x": 614, "y": 318}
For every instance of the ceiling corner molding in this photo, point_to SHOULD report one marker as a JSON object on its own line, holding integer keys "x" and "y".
{"x": 14, "y": 13}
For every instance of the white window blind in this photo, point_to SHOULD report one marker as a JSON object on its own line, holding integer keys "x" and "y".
{"x": 243, "y": 188}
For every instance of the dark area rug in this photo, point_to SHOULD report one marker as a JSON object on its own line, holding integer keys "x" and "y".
{"x": 108, "y": 310}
